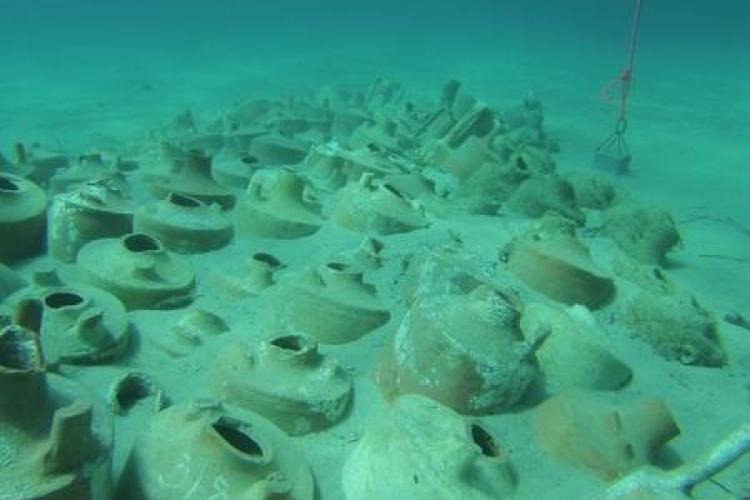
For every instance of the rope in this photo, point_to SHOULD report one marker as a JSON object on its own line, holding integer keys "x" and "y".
{"x": 626, "y": 74}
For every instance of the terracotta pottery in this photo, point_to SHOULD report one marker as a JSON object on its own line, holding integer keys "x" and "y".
{"x": 77, "y": 324}
{"x": 377, "y": 208}
{"x": 573, "y": 351}
{"x": 204, "y": 449}
{"x": 332, "y": 304}
{"x": 560, "y": 267}
{"x": 136, "y": 269}
{"x": 287, "y": 380}
{"x": 55, "y": 443}
{"x": 277, "y": 205}
{"x": 464, "y": 350}
{"x": 94, "y": 210}
{"x": 427, "y": 452}
{"x": 184, "y": 224}
{"x": 602, "y": 434}
{"x": 194, "y": 180}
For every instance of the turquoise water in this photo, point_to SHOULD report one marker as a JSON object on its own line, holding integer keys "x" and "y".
{"x": 690, "y": 51}
{"x": 49, "y": 27}
{"x": 80, "y": 76}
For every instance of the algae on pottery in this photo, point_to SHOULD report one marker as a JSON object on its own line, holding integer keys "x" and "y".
{"x": 23, "y": 208}
{"x": 421, "y": 450}
{"x": 287, "y": 380}
{"x": 136, "y": 269}
{"x": 184, "y": 224}
{"x": 646, "y": 234}
{"x": 677, "y": 327}
{"x": 204, "y": 449}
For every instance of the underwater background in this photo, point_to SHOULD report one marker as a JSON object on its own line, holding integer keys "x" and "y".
{"x": 82, "y": 62}
{"x": 82, "y": 75}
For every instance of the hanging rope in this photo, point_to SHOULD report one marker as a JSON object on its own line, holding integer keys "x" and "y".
{"x": 615, "y": 143}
